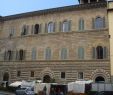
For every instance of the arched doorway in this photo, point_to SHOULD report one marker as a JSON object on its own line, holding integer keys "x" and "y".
{"x": 99, "y": 79}
{"x": 46, "y": 79}
{"x": 6, "y": 77}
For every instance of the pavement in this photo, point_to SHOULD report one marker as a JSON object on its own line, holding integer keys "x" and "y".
{"x": 6, "y": 93}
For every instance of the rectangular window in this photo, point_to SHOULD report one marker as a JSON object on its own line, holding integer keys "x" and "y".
{"x": 32, "y": 73}
{"x": 80, "y": 75}
{"x": 63, "y": 75}
{"x": 18, "y": 73}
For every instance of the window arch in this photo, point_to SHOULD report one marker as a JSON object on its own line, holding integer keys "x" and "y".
{"x": 81, "y": 53}
{"x": 36, "y": 31}
{"x": 51, "y": 27}
{"x": 48, "y": 54}
{"x": 21, "y": 54}
{"x": 100, "y": 52}
{"x": 99, "y": 23}
{"x": 34, "y": 52}
{"x": 66, "y": 26}
{"x": 63, "y": 53}
{"x": 25, "y": 29}
{"x": 81, "y": 24}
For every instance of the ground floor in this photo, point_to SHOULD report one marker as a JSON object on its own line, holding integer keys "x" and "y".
{"x": 56, "y": 71}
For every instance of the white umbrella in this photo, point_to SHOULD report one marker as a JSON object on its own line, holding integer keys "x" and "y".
{"x": 16, "y": 84}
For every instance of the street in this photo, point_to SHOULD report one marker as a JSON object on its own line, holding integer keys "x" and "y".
{"x": 6, "y": 93}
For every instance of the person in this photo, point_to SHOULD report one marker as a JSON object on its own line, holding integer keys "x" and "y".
{"x": 52, "y": 91}
{"x": 44, "y": 90}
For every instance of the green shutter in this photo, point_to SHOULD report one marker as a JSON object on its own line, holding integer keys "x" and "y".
{"x": 63, "y": 53}
{"x": 46, "y": 27}
{"x": 81, "y": 53}
{"x": 69, "y": 25}
{"x": 54, "y": 27}
{"x": 60, "y": 27}
{"x": 105, "y": 53}
{"x": 34, "y": 54}
{"x": 104, "y": 22}
{"x": 93, "y": 23}
{"x": 40, "y": 28}
{"x": 94, "y": 54}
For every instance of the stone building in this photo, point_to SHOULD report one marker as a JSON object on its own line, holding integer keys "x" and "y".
{"x": 110, "y": 20}
{"x": 62, "y": 44}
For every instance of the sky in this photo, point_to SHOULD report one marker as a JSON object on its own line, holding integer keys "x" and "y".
{"x": 11, "y": 7}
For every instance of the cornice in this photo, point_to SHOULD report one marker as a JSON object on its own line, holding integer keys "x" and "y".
{"x": 59, "y": 9}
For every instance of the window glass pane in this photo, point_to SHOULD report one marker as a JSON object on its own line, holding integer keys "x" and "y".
{"x": 99, "y": 23}
{"x": 34, "y": 54}
{"x": 50, "y": 27}
{"x": 80, "y": 75}
{"x": 65, "y": 26}
{"x": 63, "y": 53}
{"x": 81, "y": 53}
{"x": 63, "y": 75}
{"x": 81, "y": 24}
{"x": 48, "y": 54}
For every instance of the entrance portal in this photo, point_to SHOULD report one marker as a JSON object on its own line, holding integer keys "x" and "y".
{"x": 6, "y": 77}
{"x": 99, "y": 79}
{"x": 46, "y": 79}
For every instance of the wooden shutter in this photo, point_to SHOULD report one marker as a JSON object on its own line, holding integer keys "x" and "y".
{"x": 54, "y": 27}
{"x": 94, "y": 54}
{"x": 40, "y": 28}
{"x": 105, "y": 53}
{"x": 69, "y": 25}
{"x": 93, "y": 23}
{"x": 46, "y": 27}
{"x": 104, "y": 22}
{"x": 60, "y": 27}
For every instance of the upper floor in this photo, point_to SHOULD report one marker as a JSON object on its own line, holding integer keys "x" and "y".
{"x": 75, "y": 18}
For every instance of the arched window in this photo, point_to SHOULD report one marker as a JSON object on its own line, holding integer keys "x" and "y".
{"x": 81, "y": 53}
{"x": 81, "y": 24}
{"x": 25, "y": 29}
{"x": 34, "y": 52}
{"x": 51, "y": 27}
{"x": 21, "y": 54}
{"x": 63, "y": 53}
{"x": 99, "y": 50}
{"x": 66, "y": 26}
{"x": 99, "y": 23}
{"x": 36, "y": 31}
{"x": 48, "y": 54}
{"x": 9, "y": 55}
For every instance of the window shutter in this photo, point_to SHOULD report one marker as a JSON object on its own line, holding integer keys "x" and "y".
{"x": 69, "y": 25}
{"x": 5, "y": 55}
{"x": 93, "y": 23}
{"x": 40, "y": 28}
{"x": 63, "y": 53}
{"x": 81, "y": 53}
{"x": 46, "y": 27}
{"x": 82, "y": 24}
{"x": 54, "y": 27}
{"x": 79, "y": 24}
{"x": 17, "y": 55}
{"x": 27, "y": 29}
{"x": 104, "y": 22}
{"x": 24, "y": 54}
{"x": 105, "y": 53}
{"x": 94, "y": 53}
{"x": 34, "y": 54}
{"x": 60, "y": 27}
{"x": 32, "y": 29}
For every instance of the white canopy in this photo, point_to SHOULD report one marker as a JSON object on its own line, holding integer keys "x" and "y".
{"x": 15, "y": 84}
